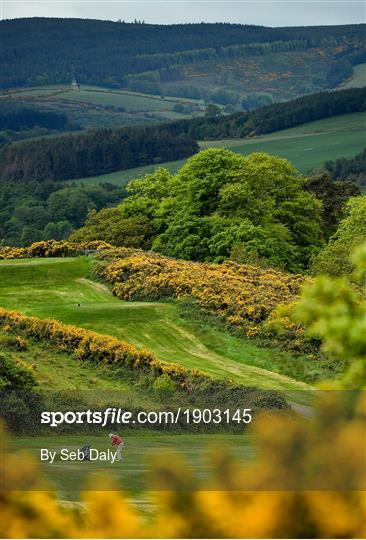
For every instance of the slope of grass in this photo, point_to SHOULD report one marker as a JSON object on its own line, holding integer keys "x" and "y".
{"x": 121, "y": 178}
{"x": 307, "y": 146}
{"x": 57, "y": 371}
{"x": 93, "y": 97}
{"x": 130, "y": 102}
{"x": 53, "y": 288}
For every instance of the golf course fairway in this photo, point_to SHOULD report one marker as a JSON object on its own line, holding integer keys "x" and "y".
{"x": 59, "y": 288}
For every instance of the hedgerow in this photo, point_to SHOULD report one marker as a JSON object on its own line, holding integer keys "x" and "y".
{"x": 52, "y": 248}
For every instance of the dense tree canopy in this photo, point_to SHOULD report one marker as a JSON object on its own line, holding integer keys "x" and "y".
{"x": 221, "y": 205}
{"x": 49, "y": 210}
{"x": 27, "y": 118}
{"x": 274, "y": 117}
{"x": 349, "y": 169}
{"x": 92, "y": 153}
{"x": 333, "y": 196}
{"x": 113, "y": 228}
{"x": 351, "y": 232}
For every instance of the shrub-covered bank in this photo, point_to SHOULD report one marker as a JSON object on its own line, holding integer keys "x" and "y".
{"x": 101, "y": 349}
{"x": 247, "y": 298}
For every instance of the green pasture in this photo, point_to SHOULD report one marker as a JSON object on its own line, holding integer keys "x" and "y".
{"x": 53, "y": 288}
{"x": 121, "y": 178}
{"x": 307, "y": 146}
{"x": 129, "y": 100}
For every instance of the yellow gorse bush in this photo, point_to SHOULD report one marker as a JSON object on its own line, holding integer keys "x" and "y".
{"x": 52, "y": 248}
{"x": 103, "y": 349}
{"x": 243, "y": 296}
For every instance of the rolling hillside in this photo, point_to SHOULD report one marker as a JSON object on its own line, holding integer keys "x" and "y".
{"x": 53, "y": 288}
{"x": 62, "y": 375}
{"x": 92, "y": 107}
{"x": 307, "y": 146}
{"x": 223, "y": 62}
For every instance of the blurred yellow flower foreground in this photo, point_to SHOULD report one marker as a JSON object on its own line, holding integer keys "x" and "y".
{"x": 326, "y": 448}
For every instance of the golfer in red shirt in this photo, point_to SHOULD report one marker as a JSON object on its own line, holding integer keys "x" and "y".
{"x": 118, "y": 442}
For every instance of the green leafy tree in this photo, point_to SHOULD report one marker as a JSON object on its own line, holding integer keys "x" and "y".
{"x": 70, "y": 204}
{"x": 334, "y": 258}
{"x": 218, "y": 205}
{"x": 212, "y": 111}
{"x": 30, "y": 235}
{"x": 333, "y": 196}
{"x": 220, "y": 199}
{"x": 110, "y": 226}
{"x": 334, "y": 310}
{"x": 57, "y": 231}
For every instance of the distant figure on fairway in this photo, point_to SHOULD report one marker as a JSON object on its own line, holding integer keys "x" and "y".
{"x": 117, "y": 441}
{"x": 86, "y": 452}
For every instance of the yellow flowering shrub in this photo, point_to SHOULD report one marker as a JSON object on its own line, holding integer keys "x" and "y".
{"x": 86, "y": 345}
{"x": 52, "y": 248}
{"x": 243, "y": 296}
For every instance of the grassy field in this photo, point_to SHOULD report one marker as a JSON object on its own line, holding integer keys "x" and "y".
{"x": 94, "y": 385}
{"x": 94, "y": 107}
{"x": 59, "y": 371}
{"x": 53, "y": 288}
{"x": 307, "y": 146}
{"x": 99, "y": 96}
{"x": 121, "y": 178}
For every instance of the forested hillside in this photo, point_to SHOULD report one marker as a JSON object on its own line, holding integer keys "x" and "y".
{"x": 225, "y": 63}
{"x": 91, "y": 153}
{"x": 273, "y": 117}
{"x": 102, "y": 151}
{"x": 38, "y": 205}
{"x": 353, "y": 169}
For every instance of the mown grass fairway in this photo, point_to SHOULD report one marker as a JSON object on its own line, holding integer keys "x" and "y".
{"x": 141, "y": 452}
{"x": 53, "y": 288}
{"x": 307, "y": 146}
